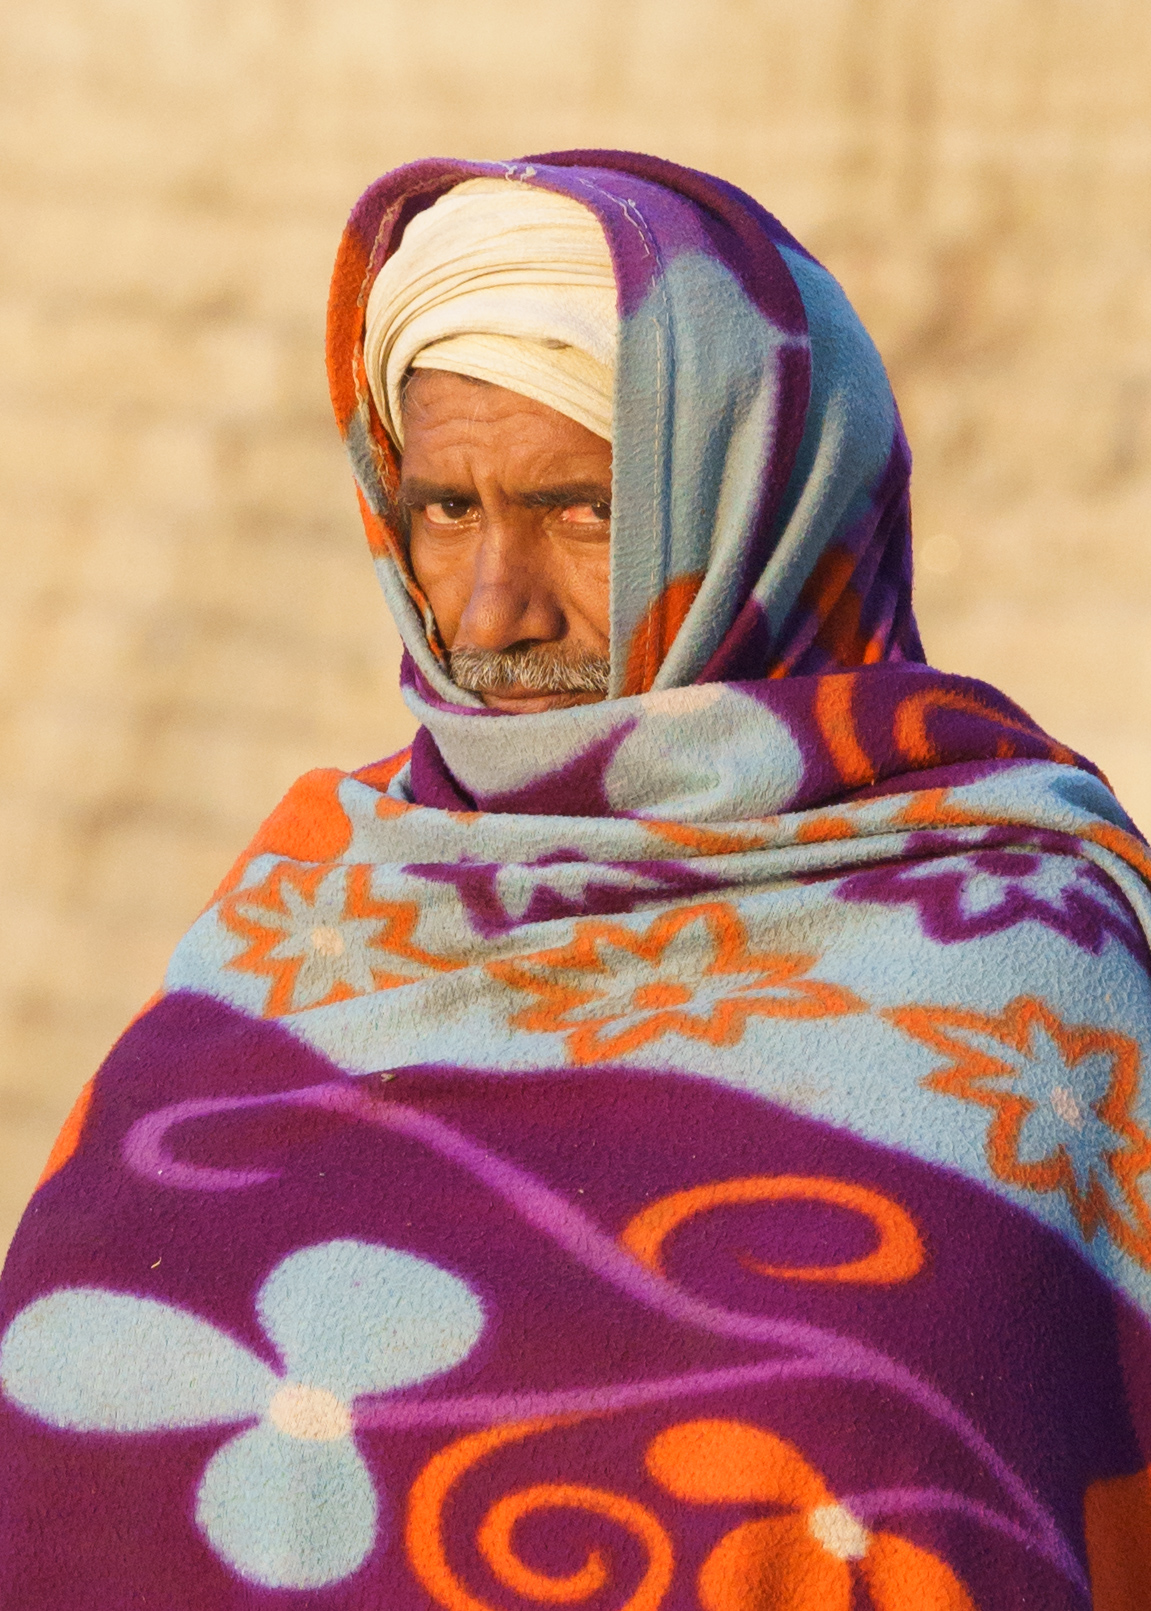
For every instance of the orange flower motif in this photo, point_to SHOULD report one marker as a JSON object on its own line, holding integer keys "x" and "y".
{"x": 805, "y": 1558}
{"x": 614, "y": 988}
{"x": 1061, "y": 1098}
{"x": 320, "y": 937}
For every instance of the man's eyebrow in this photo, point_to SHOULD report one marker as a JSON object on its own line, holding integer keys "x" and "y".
{"x": 562, "y": 497}
{"x": 414, "y": 493}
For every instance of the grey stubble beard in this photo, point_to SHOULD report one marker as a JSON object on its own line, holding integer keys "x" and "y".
{"x": 538, "y": 668}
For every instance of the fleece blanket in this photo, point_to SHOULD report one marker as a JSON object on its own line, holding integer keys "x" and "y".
{"x": 685, "y": 1151}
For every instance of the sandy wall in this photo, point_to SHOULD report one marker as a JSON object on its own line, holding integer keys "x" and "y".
{"x": 187, "y": 616}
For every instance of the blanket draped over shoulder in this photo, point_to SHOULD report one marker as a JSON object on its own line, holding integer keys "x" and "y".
{"x": 687, "y": 1150}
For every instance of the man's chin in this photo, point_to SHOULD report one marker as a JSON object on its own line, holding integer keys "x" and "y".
{"x": 531, "y": 704}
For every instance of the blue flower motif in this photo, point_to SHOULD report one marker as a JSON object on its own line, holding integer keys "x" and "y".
{"x": 288, "y": 1503}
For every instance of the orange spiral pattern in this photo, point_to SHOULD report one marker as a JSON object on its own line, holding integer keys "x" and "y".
{"x": 427, "y": 1551}
{"x": 898, "y": 1257}
{"x": 494, "y": 1540}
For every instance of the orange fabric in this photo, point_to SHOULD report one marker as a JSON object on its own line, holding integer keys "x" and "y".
{"x": 802, "y": 1561}
{"x": 387, "y": 807}
{"x": 833, "y": 701}
{"x": 494, "y": 1543}
{"x": 345, "y": 320}
{"x": 902, "y": 1577}
{"x": 380, "y": 773}
{"x": 731, "y": 1463}
{"x": 774, "y": 1563}
{"x": 932, "y": 808}
{"x": 382, "y": 543}
{"x": 820, "y": 829}
{"x": 656, "y": 633}
{"x": 309, "y": 824}
{"x": 424, "y": 1532}
{"x": 427, "y": 1551}
{"x": 830, "y": 575}
{"x": 830, "y": 595}
{"x": 830, "y": 592}
{"x": 898, "y": 1257}
{"x": 910, "y": 726}
{"x": 1117, "y": 1523}
{"x": 702, "y": 841}
{"x": 71, "y": 1130}
{"x": 1122, "y": 844}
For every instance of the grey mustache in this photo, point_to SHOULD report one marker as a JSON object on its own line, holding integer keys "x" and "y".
{"x": 540, "y": 668}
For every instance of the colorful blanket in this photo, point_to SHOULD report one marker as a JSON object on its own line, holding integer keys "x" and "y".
{"x": 686, "y": 1151}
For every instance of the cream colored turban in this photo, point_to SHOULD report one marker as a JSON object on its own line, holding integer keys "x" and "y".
{"x": 505, "y": 283}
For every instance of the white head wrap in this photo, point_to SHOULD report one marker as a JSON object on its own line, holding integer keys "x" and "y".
{"x": 505, "y": 283}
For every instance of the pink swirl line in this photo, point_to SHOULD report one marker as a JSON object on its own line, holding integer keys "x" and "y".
{"x": 376, "y": 1412}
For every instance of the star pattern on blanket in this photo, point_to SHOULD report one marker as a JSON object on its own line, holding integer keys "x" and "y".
{"x": 616, "y": 988}
{"x": 499, "y": 897}
{"x": 320, "y": 936}
{"x": 1062, "y": 1100}
{"x": 997, "y": 884}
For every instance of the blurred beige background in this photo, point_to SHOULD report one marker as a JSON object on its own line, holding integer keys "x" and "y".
{"x": 187, "y": 614}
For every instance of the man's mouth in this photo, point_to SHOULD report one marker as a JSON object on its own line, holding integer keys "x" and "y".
{"x": 527, "y": 704}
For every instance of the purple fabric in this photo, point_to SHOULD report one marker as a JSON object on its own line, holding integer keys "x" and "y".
{"x": 912, "y": 1373}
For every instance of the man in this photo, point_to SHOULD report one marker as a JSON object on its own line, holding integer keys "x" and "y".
{"x": 509, "y": 508}
{"x": 677, "y": 1137}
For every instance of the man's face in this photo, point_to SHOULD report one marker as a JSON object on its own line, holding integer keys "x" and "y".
{"x": 510, "y": 506}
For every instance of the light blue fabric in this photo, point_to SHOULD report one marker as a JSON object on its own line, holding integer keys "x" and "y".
{"x": 697, "y": 381}
{"x": 108, "y": 1361}
{"x": 356, "y": 1318}
{"x": 288, "y": 1514}
{"x": 692, "y": 762}
{"x": 850, "y": 428}
{"x": 289, "y": 1503}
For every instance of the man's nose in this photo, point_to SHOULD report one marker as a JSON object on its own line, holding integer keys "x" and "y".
{"x": 511, "y": 600}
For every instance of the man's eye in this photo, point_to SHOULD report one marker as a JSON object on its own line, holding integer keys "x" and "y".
{"x": 448, "y": 513}
{"x": 586, "y": 514}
